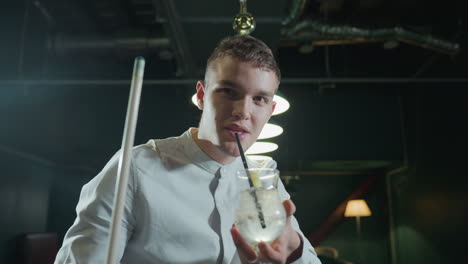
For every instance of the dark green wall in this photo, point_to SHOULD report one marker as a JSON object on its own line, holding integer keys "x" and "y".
{"x": 374, "y": 243}
{"x": 431, "y": 202}
{"x": 429, "y": 199}
{"x": 24, "y": 201}
{"x": 35, "y": 196}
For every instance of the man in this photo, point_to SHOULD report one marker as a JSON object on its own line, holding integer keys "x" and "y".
{"x": 182, "y": 191}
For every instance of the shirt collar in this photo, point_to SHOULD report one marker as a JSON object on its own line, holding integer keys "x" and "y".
{"x": 199, "y": 158}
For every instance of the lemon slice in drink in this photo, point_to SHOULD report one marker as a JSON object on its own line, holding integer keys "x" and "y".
{"x": 255, "y": 177}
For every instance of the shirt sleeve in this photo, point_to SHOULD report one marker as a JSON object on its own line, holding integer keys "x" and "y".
{"x": 87, "y": 239}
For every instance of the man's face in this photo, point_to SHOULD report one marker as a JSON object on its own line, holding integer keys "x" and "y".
{"x": 237, "y": 97}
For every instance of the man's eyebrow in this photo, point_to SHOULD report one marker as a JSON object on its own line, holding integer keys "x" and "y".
{"x": 227, "y": 83}
{"x": 235, "y": 84}
{"x": 267, "y": 94}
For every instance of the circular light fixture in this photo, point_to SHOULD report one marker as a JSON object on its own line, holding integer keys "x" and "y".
{"x": 194, "y": 99}
{"x": 282, "y": 105}
{"x": 261, "y": 147}
{"x": 259, "y": 157}
{"x": 261, "y": 161}
{"x": 270, "y": 130}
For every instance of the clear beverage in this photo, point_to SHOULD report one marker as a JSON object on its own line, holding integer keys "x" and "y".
{"x": 262, "y": 198}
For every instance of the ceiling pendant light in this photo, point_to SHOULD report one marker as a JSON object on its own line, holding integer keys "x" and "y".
{"x": 282, "y": 105}
{"x": 260, "y": 160}
{"x": 194, "y": 99}
{"x": 259, "y": 157}
{"x": 270, "y": 130}
{"x": 261, "y": 147}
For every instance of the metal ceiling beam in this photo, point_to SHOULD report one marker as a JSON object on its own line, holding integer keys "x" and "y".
{"x": 118, "y": 44}
{"x": 228, "y": 20}
{"x": 173, "y": 26}
{"x": 283, "y": 81}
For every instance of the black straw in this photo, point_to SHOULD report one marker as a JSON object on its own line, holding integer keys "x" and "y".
{"x": 244, "y": 161}
{"x": 254, "y": 193}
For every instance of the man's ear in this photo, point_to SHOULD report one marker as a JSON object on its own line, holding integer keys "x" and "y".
{"x": 273, "y": 106}
{"x": 200, "y": 94}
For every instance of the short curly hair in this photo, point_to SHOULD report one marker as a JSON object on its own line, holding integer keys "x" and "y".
{"x": 246, "y": 49}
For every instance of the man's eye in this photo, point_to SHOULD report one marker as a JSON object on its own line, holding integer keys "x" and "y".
{"x": 227, "y": 91}
{"x": 260, "y": 99}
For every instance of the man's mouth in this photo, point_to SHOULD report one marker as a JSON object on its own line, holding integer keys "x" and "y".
{"x": 240, "y": 130}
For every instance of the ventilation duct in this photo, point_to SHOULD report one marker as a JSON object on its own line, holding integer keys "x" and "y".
{"x": 296, "y": 10}
{"x": 325, "y": 34}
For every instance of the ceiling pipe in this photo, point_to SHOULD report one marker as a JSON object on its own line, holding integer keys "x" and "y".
{"x": 44, "y": 12}
{"x": 296, "y": 11}
{"x": 325, "y": 34}
{"x": 121, "y": 46}
{"x": 173, "y": 27}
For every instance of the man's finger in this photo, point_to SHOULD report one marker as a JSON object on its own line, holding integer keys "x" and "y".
{"x": 246, "y": 252}
{"x": 289, "y": 207}
{"x": 268, "y": 252}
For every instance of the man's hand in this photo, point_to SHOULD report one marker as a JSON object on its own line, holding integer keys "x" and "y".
{"x": 276, "y": 252}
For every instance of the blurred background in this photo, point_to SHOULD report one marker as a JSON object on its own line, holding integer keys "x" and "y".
{"x": 377, "y": 112}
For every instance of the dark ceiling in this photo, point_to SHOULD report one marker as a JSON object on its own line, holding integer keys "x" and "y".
{"x": 64, "y": 59}
{"x": 334, "y": 38}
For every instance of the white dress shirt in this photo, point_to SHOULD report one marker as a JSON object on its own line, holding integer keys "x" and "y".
{"x": 179, "y": 208}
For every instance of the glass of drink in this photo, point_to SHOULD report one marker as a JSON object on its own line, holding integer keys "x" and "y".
{"x": 260, "y": 215}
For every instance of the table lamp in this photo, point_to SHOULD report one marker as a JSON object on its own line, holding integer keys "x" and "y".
{"x": 357, "y": 208}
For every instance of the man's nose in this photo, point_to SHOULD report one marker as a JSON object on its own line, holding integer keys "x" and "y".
{"x": 241, "y": 109}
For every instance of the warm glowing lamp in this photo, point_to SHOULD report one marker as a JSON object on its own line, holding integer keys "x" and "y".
{"x": 261, "y": 147}
{"x": 357, "y": 208}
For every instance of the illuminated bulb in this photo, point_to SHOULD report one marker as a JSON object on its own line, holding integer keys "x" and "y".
{"x": 261, "y": 147}
{"x": 356, "y": 208}
{"x": 259, "y": 157}
{"x": 194, "y": 99}
{"x": 282, "y": 105}
{"x": 270, "y": 130}
{"x": 261, "y": 161}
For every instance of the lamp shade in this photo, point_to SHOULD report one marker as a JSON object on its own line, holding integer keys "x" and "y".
{"x": 260, "y": 160}
{"x": 357, "y": 208}
{"x": 282, "y": 105}
{"x": 259, "y": 157}
{"x": 270, "y": 130}
{"x": 261, "y": 147}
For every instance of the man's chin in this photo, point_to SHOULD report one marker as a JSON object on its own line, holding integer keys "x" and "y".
{"x": 231, "y": 149}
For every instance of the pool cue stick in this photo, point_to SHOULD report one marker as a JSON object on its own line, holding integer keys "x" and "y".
{"x": 125, "y": 158}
